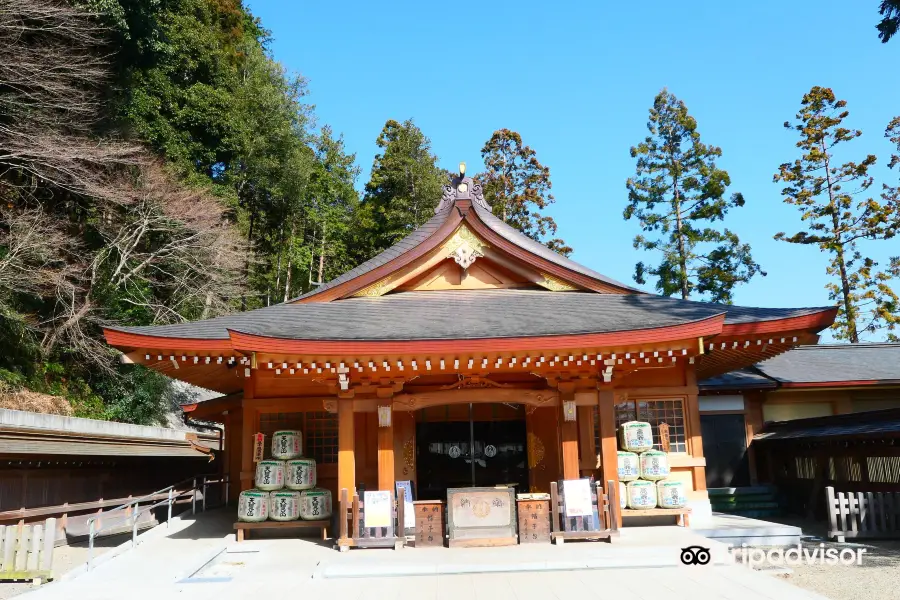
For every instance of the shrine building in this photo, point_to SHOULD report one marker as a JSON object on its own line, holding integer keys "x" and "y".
{"x": 466, "y": 355}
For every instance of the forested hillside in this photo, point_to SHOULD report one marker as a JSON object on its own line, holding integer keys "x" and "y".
{"x": 159, "y": 165}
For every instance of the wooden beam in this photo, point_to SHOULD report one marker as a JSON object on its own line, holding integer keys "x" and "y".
{"x": 346, "y": 452}
{"x": 465, "y": 396}
{"x": 609, "y": 460}
{"x": 250, "y": 426}
{"x": 586, "y": 443}
{"x": 569, "y": 441}
{"x": 692, "y": 410}
{"x": 386, "y": 458}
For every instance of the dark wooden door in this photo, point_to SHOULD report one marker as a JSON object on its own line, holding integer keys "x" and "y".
{"x": 725, "y": 449}
{"x": 456, "y": 454}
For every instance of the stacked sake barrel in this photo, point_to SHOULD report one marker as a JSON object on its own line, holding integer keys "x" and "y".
{"x": 285, "y": 485}
{"x": 643, "y": 471}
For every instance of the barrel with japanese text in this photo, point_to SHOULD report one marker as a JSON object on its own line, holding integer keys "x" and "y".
{"x": 287, "y": 444}
{"x": 301, "y": 474}
{"x": 315, "y": 504}
{"x": 253, "y": 506}
{"x": 270, "y": 475}
{"x": 284, "y": 505}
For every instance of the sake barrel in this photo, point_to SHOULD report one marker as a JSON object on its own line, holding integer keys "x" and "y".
{"x": 629, "y": 466}
{"x": 286, "y": 444}
{"x": 637, "y": 436}
{"x": 253, "y": 506}
{"x": 671, "y": 494}
{"x": 654, "y": 465}
{"x": 623, "y": 500}
{"x": 315, "y": 504}
{"x": 285, "y": 505}
{"x": 301, "y": 474}
{"x": 270, "y": 475}
{"x": 640, "y": 494}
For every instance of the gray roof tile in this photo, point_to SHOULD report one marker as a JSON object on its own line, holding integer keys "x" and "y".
{"x": 462, "y": 314}
{"x": 742, "y": 379}
{"x": 835, "y": 362}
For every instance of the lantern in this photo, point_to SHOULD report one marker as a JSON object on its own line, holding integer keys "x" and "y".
{"x": 569, "y": 410}
{"x": 384, "y": 416}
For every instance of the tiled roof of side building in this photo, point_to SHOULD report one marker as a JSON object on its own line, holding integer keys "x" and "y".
{"x": 835, "y": 363}
{"x": 461, "y": 314}
{"x": 741, "y": 379}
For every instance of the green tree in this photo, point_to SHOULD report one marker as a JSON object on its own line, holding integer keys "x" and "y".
{"x": 678, "y": 195}
{"x": 405, "y": 185}
{"x": 890, "y": 22}
{"x": 517, "y": 187}
{"x": 838, "y": 214}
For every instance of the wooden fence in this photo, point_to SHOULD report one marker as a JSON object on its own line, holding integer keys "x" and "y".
{"x": 26, "y": 552}
{"x": 863, "y": 514}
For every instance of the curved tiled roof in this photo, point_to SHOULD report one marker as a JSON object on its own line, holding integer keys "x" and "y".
{"x": 465, "y": 314}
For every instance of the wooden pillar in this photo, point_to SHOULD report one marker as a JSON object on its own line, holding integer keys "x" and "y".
{"x": 568, "y": 436}
{"x": 386, "y": 457}
{"x": 608, "y": 448}
{"x": 692, "y": 415}
{"x": 346, "y": 453}
{"x": 753, "y": 421}
{"x": 249, "y": 426}
{"x": 586, "y": 443}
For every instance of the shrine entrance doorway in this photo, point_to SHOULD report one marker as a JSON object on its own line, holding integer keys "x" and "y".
{"x": 483, "y": 448}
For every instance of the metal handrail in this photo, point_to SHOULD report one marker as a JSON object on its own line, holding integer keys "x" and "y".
{"x": 173, "y": 495}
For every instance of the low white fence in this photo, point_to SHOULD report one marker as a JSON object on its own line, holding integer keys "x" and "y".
{"x": 26, "y": 551}
{"x": 863, "y": 514}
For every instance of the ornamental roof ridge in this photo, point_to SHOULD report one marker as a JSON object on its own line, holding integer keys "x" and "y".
{"x": 461, "y": 187}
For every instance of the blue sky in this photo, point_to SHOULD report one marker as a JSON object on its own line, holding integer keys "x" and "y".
{"x": 576, "y": 82}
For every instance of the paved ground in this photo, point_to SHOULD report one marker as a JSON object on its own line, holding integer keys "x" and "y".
{"x": 878, "y": 578}
{"x": 65, "y": 558}
{"x": 191, "y": 560}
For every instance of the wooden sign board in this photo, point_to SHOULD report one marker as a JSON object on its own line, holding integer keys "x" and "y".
{"x": 378, "y": 509}
{"x": 481, "y": 516}
{"x": 534, "y": 520}
{"x": 259, "y": 446}
{"x": 664, "y": 440}
{"x": 429, "y": 520}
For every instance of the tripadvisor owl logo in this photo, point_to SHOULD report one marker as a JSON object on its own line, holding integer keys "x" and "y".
{"x": 695, "y": 555}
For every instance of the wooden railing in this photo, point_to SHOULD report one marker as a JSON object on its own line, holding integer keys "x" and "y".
{"x": 863, "y": 514}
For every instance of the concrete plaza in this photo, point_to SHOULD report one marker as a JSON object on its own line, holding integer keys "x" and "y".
{"x": 197, "y": 558}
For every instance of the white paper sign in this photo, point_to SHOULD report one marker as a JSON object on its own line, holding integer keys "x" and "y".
{"x": 409, "y": 511}
{"x": 577, "y": 494}
{"x": 377, "y": 509}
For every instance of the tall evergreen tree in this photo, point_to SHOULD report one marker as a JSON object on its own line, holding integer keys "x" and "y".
{"x": 890, "y": 22}
{"x": 517, "y": 187}
{"x": 678, "y": 194}
{"x": 404, "y": 187}
{"x": 833, "y": 203}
